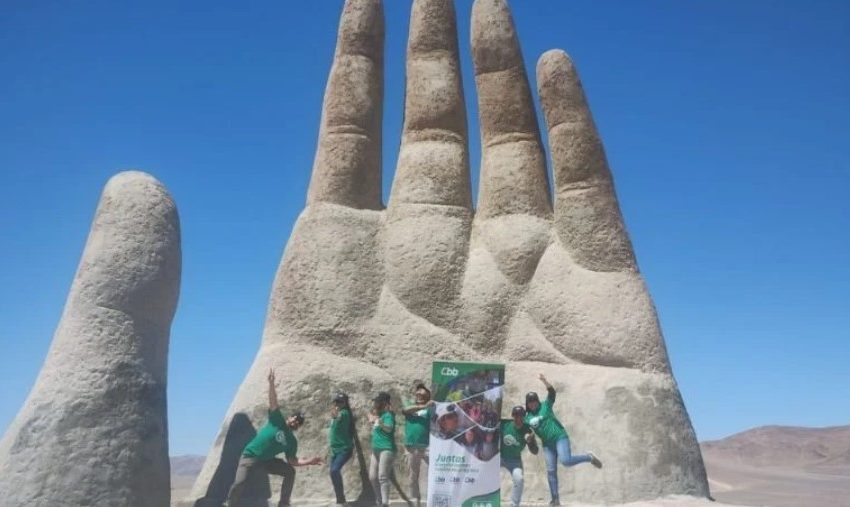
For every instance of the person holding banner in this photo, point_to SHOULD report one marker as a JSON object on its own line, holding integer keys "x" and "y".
{"x": 272, "y": 439}
{"x": 383, "y": 447}
{"x": 556, "y": 443}
{"x": 416, "y": 433}
{"x": 341, "y": 440}
{"x": 515, "y": 436}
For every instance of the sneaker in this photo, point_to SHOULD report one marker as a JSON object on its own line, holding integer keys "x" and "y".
{"x": 554, "y": 503}
{"x": 594, "y": 460}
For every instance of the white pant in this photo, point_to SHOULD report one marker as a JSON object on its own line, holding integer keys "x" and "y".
{"x": 380, "y": 468}
{"x": 415, "y": 456}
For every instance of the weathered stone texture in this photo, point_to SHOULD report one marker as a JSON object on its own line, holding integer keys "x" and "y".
{"x": 93, "y": 431}
{"x": 546, "y": 281}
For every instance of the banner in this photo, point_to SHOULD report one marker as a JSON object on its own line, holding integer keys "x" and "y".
{"x": 463, "y": 469}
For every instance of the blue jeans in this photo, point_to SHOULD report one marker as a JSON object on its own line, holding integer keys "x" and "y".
{"x": 514, "y": 466}
{"x": 559, "y": 451}
{"x": 337, "y": 462}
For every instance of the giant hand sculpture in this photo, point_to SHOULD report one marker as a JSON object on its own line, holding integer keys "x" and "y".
{"x": 366, "y": 297}
{"x": 93, "y": 430}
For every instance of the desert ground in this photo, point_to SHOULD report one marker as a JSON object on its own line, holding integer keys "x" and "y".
{"x": 776, "y": 466}
{"x": 781, "y": 466}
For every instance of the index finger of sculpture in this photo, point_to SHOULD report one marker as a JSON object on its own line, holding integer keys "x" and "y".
{"x": 587, "y": 216}
{"x": 330, "y": 276}
{"x": 513, "y": 167}
{"x": 347, "y": 168}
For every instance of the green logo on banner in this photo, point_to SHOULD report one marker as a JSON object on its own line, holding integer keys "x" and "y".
{"x": 488, "y": 500}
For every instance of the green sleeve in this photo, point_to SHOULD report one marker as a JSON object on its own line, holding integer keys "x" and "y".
{"x": 293, "y": 454}
{"x": 276, "y": 418}
{"x": 388, "y": 419}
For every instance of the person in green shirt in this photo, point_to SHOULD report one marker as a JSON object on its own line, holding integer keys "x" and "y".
{"x": 515, "y": 435}
{"x": 272, "y": 439}
{"x": 416, "y": 433}
{"x": 556, "y": 443}
{"x": 383, "y": 447}
{"x": 341, "y": 437}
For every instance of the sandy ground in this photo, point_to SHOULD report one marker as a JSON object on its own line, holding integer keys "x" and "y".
{"x": 781, "y": 466}
{"x": 771, "y": 466}
{"x": 777, "y": 486}
{"x": 730, "y": 485}
{"x": 673, "y": 501}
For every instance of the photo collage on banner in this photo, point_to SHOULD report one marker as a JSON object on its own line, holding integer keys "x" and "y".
{"x": 464, "y": 450}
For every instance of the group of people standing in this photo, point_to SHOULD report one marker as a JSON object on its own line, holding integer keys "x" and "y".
{"x": 276, "y": 437}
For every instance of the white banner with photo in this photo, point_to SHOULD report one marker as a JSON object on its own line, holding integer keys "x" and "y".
{"x": 464, "y": 463}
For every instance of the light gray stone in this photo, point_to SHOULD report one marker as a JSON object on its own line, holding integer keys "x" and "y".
{"x": 93, "y": 430}
{"x": 366, "y": 298}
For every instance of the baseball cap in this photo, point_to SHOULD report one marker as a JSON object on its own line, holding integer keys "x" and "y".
{"x": 446, "y": 409}
{"x": 382, "y": 396}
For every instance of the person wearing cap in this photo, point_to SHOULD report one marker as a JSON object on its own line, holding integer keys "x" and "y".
{"x": 416, "y": 435}
{"x": 341, "y": 439}
{"x": 515, "y": 435}
{"x": 274, "y": 438}
{"x": 447, "y": 420}
{"x": 556, "y": 443}
{"x": 383, "y": 447}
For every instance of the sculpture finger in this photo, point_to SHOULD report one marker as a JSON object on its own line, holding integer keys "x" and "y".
{"x": 347, "y": 168}
{"x": 431, "y": 192}
{"x": 433, "y": 166}
{"x": 587, "y": 215}
{"x": 99, "y": 401}
{"x": 513, "y": 167}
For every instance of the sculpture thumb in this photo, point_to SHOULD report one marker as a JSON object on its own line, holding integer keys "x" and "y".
{"x": 93, "y": 430}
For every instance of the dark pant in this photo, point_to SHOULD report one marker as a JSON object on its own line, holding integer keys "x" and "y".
{"x": 274, "y": 466}
{"x": 337, "y": 462}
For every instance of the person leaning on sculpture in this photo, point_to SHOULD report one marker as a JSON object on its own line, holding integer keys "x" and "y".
{"x": 274, "y": 438}
{"x": 416, "y": 435}
{"x": 383, "y": 447}
{"x": 515, "y": 435}
{"x": 341, "y": 440}
{"x": 556, "y": 442}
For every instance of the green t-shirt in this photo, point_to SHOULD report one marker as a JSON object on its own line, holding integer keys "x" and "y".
{"x": 272, "y": 439}
{"x": 340, "y": 436}
{"x": 416, "y": 429}
{"x": 513, "y": 439}
{"x": 383, "y": 440}
{"x": 544, "y": 422}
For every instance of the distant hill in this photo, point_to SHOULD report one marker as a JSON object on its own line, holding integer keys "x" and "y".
{"x": 781, "y": 466}
{"x": 809, "y": 448}
{"x": 184, "y": 469}
{"x": 187, "y": 466}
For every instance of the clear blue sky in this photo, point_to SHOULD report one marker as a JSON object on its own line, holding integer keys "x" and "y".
{"x": 727, "y": 125}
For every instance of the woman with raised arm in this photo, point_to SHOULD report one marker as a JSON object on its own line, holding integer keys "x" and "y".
{"x": 556, "y": 442}
{"x": 272, "y": 439}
